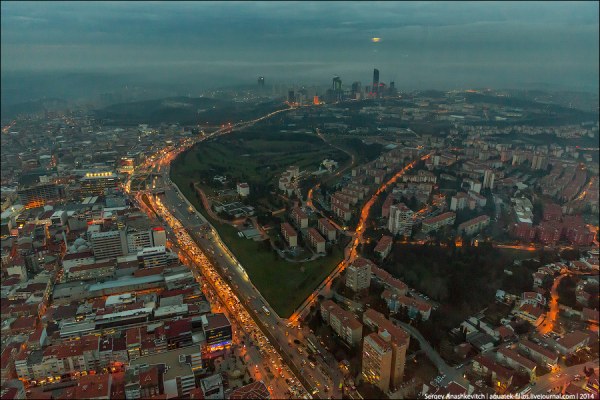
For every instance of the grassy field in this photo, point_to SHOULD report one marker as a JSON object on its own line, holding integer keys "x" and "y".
{"x": 283, "y": 284}
{"x": 255, "y": 157}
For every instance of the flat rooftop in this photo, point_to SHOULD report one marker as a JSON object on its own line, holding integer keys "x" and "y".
{"x": 170, "y": 358}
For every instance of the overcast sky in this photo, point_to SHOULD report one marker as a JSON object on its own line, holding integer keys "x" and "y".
{"x": 423, "y": 44}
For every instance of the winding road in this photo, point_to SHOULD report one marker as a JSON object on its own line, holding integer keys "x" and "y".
{"x": 452, "y": 374}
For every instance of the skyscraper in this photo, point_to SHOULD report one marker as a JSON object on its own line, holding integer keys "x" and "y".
{"x": 261, "y": 82}
{"x": 337, "y": 88}
{"x": 356, "y": 90}
{"x": 375, "y": 81}
{"x": 400, "y": 220}
{"x": 337, "y": 83}
{"x": 291, "y": 97}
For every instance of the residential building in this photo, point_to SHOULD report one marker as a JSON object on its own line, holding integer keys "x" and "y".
{"x": 538, "y": 353}
{"x": 327, "y": 229}
{"x": 343, "y": 322}
{"x": 399, "y": 340}
{"x": 358, "y": 274}
{"x": 572, "y": 342}
{"x": 289, "y": 234}
{"x": 252, "y": 391}
{"x": 532, "y": 314}
{"x": 400, "y": 221}
{"x": 212, "y": 387}
{"x": 413, "y": 305}
{"x": 384, "y": 246}
{"x": 316, "y": 240}
{"x": 474, "y": 225}
{"x": 488, "y": 179}
{"x": 517, "y": 361}
{"x": 377, "y": 358}
{"x": 390, "y": 283}
{"x": 243, "y": 189}
{"x": 300, "y": 218}
{"x": 458, "y": 201}
{"x": 435, "y": 223}
{"x": 497, "y": 376}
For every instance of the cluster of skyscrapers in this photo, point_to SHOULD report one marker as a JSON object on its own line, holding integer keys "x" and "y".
{"x": 337, "y": 93}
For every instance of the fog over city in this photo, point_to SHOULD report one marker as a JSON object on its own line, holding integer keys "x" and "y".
{"x": 193, "y": 46}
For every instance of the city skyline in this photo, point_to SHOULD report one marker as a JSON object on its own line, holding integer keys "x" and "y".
{"x": 207, "y": 45}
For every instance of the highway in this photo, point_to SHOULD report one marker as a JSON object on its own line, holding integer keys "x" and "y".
{"x": 207, "y": 251}
{"x": 239, "y": 282}
{"x": 259, "y": 350}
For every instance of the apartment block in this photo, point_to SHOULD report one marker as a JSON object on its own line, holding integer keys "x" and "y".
{"x": 342, "y": 322}
{"x": 316, "y": 240}
{"x": 358, "y": 274}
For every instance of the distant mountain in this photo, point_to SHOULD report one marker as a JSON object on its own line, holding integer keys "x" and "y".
{"x": 9, "y": 111}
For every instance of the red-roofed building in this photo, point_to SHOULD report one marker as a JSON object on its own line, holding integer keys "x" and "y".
{"x": 474, "y": 225}
{"x": 94, "y": 387}
{"x": 435, "y": 223}
{"x": 178, "y": 332}
{"x": 289, "y": 234}
{"x": 8, "y": 361}
{"x": 343, "y": 322}
{"x": 197, "y": 394}
{"x": 414, "y": 306}
{"x": 571, "y": 342}
{"x": 358, "y": 274}
{"x": 538, "y": 353}
{"x": 532, "y": 314}
{"x": 498, "y": 377}
{"x": 327, "y": 229}
{"x": 24, "y": 325}
{"x": 316, "y": 240}
{"x": 254, "y": 390}
{"x": 300, "y": 217}
{"x": 517, "y": 361}
{"x": 399, "y": 340}
{"x": 392, "y": 284}
{"x": 385, "y": 209}
{"x": 552, "y": 212}
{"x": 384, "y": 246}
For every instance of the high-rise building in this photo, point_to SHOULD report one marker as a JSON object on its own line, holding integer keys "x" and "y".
{"x": 400, "y": 221}
{"x": 356, "y": 90}
{"x": 488, "y": 179}
{"x": 375, "y": 82}
{"x": 94, "y": 183}
{"x": 399, "y": 341}
{"x": 337, "y": 84}
{"x": 291, "y": 96}
{"x": 150, "y": 257}
{"x": 337, "y": 88}
{"x": 358, "y": 274}
{"x": 539, "y": 161}
{"x": 111, "y": 244}
{"x": 38, "y": 194}
{"x": 377, "y": 359}
{"x": 261, "y": 82}
{"x": 392, "y": 90}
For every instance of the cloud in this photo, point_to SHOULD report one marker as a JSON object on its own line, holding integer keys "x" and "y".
{"x": 492, "y": 40}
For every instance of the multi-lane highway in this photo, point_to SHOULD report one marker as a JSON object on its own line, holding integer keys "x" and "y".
{"x": 319, "y": 373}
